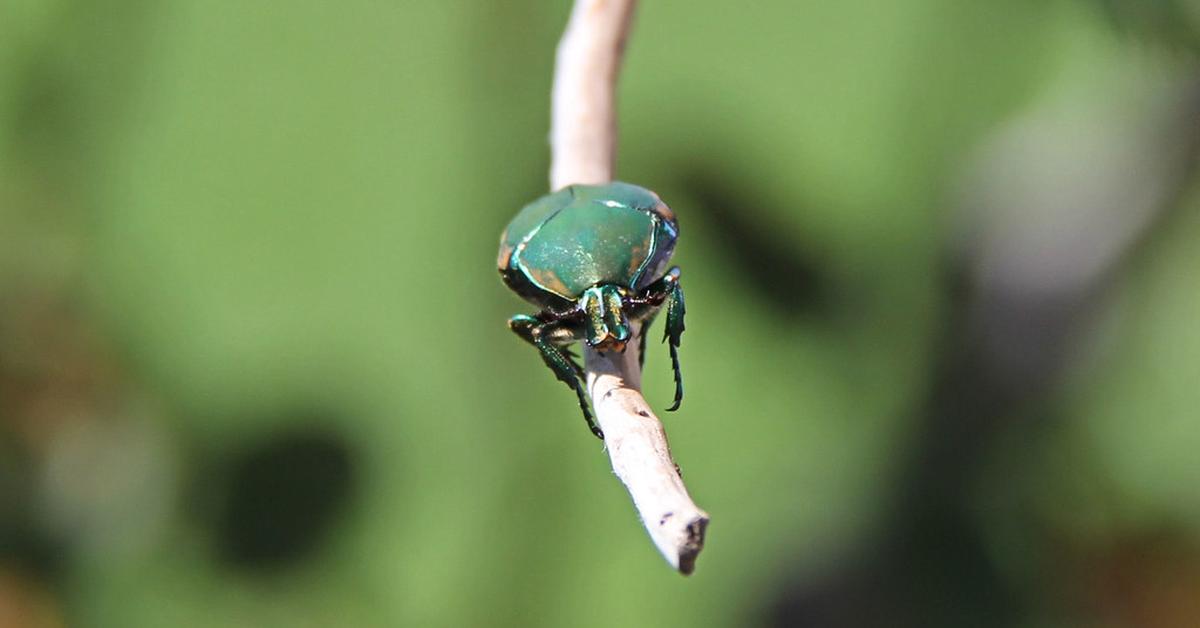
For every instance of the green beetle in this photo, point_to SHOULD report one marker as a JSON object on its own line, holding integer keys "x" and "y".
{"x": 594, "y": 258}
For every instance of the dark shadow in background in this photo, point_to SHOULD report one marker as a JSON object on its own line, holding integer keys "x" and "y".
{"x": 24, "y": 543}
{"x": 783, "y": 275}
{"x": 279, "y": 500}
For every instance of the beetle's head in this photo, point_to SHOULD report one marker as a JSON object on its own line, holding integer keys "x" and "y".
{"x": 611, "y": 343}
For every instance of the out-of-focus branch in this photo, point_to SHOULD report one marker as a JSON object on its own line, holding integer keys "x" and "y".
{"x": 583, "y": 116}
{"x": 583, "y": 142}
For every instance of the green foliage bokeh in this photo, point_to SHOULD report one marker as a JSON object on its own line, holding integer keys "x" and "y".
{"x": 268, "y": 207}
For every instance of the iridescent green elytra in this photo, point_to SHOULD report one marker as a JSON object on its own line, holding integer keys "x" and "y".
{"x": 594, "y": 258}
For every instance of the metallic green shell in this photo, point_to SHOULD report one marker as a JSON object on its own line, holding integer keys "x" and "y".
{"x": 528, "y": 220}
{"x": 587, "y": 235}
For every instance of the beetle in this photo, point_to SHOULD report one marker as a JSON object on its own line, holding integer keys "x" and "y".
{"x": 594, "y": 259}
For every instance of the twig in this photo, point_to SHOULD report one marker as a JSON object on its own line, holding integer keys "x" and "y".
{"x": 583, "y": 143}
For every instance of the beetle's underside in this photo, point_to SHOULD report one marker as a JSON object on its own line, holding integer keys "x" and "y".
{"x": 602, "y": 318}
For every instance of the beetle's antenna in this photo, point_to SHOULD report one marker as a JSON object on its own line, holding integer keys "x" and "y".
{"x": 583, "y": 146}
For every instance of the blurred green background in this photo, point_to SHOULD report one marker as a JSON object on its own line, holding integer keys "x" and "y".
{"x": 941, "y": 260}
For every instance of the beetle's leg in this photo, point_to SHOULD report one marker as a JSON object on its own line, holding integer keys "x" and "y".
{"x": 592, "y": 303}
{"x": 607, "y": 326}
{"x": 561, "y": 337}
{"x": 574, "y": 360}
{"x": 541, "y": 335}
{"x": 673, "y": 330}
{"x": 615, "y": 319}
{"x": 646, "y": 306}
{"x": 570, "y": 373}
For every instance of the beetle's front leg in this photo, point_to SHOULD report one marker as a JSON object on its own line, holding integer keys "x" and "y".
{"x": 664, "y": 292}
{"x": 547, "y": 337}
{"x": 673, "y": 331}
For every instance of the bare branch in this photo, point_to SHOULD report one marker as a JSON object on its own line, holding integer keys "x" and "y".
{"x": 583, "y": 117}
{"x": 583, "y": 143}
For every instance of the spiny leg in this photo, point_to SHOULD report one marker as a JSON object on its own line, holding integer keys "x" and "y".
{"x": 571, "y": 374}
{"x": 574, "y": 360}
{"x": 646, "y": 305}
{"x": 561, "y": 337}
{"x": 673, "y": 330}
{"x": 565, "y": 369}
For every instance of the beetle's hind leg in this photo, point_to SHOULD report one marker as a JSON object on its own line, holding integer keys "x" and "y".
{"x": 543, "y": 336}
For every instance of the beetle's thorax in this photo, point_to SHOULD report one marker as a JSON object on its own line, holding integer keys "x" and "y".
{"x": 607, "y": 326}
